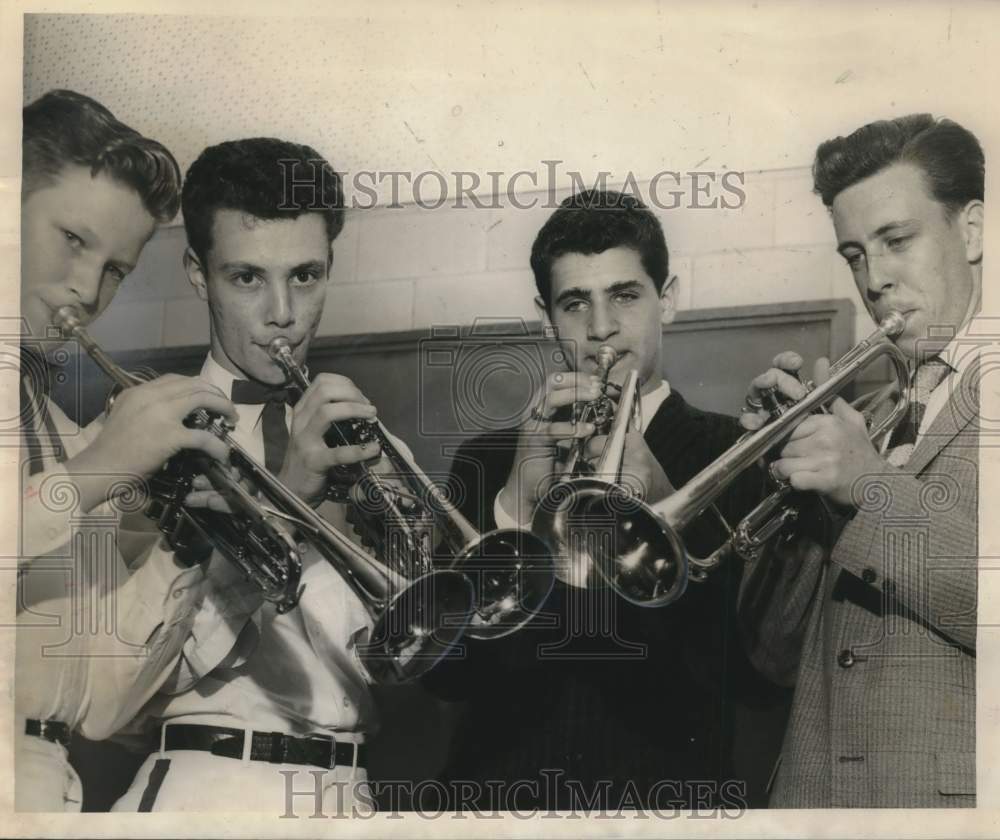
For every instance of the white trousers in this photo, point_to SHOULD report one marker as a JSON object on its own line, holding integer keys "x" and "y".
{"x": 195, "y": 780}
{"x": 44, "y": 780}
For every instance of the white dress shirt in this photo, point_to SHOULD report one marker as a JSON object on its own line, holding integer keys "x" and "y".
{"x": 649, "y": 404}
{"x": 246, "y": 666}
{"x": 960, "y": 353}
{"x": 94, "y": 639}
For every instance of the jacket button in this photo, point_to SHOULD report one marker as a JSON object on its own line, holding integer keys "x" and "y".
{"x": 845, "y": 659}
{"x": 869, "y": 575}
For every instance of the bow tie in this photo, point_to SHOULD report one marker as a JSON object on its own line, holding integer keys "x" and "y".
{"x": 248, "y": 392}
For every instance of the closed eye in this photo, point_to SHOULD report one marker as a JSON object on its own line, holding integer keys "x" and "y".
{"x": 115, "y": 272}
{"x": 74, "y": 240}
{"x": 854, "y": 259}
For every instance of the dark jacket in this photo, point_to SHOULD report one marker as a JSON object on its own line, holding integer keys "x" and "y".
{"x": 598, "y": 697}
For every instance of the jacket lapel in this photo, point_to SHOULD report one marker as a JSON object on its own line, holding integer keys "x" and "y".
{"x": 958, "y": 412}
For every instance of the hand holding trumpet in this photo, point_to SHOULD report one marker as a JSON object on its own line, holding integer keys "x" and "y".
{"x": 826, "y": 453}
{"x": 145, "y": 428}
{"x": 536, "y": 455}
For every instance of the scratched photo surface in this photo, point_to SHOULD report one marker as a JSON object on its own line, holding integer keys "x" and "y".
{"x": 564, "y": 419}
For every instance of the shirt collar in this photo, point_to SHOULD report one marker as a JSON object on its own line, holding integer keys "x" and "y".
{"x": 651, "y": 402}
{"x": 962, "y": 350}
{"x": 215, "y": 374}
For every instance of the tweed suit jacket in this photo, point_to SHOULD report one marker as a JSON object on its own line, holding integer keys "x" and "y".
{"x": 879, "y": 634}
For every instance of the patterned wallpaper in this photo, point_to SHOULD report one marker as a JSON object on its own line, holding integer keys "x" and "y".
{"x": 634, "y": 86}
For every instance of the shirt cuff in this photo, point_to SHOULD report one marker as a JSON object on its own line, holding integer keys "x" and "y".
{"x": 502, "y": 518}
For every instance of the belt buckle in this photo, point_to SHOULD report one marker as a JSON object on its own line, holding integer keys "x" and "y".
{"x": 55, "y": 732}
{"x": 279, "y": 747}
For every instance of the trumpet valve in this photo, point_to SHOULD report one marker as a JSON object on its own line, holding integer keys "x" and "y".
{"x": 775, "y": 402}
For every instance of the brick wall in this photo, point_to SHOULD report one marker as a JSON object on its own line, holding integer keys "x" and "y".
{"x": 399, "y": 269}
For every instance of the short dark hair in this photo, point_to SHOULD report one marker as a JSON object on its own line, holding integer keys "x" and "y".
{"x": 948, "y": 154}
{"x": 64, "y": 128}
{"x": 591, "y": 222}
{"x": 264, "y": 178}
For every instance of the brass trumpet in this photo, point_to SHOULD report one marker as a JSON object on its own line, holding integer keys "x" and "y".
{"x": 256, "y": 541}
{"x": 416, "y": 621}
{"x": 511, "y": 569}
{"x": 559, "y": 516}
{"x": 648, "y": 563}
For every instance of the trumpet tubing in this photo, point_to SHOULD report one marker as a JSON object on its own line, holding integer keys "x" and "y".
{"x": 253, "y": 539}
{"x": 415, "y": 621}
{"x": 575, "y": 513}
{"x": 510, "y": 569}
{"x": 650, "y": 556}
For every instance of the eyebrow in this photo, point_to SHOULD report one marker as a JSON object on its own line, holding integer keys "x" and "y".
{"x": 882, "y": 231}
{"x": 240, "y": 266}
{"x": 310, "y": 265}
{"x": 585, "y": 294}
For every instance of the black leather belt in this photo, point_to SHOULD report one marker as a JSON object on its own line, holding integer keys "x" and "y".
{"x": 275, "y": 747}
{"x": 51, "y": 730}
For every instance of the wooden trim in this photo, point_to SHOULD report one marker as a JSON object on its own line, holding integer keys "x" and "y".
{"x": 838, "y": 312}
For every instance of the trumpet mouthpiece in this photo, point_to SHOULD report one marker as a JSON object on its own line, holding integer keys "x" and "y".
{"x": 66, "y": 319}
{"x": 606, "y": 357}
{"x": 278, "y": 347}
{"x": 892, "y": 324}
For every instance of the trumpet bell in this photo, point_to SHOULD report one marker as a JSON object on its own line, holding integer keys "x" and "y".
{"x": 418, "y": 627}
{"x": 511, "y": 571}
{"x": 603, "y": 535}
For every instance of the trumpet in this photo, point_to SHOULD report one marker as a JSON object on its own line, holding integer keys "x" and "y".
{"x": 511, "y": 569}
{"x": 415, "y": 621}
{"x": 648, "y": 563}
{"x": 558, "y": 517}
{"x": 257, "y": 542}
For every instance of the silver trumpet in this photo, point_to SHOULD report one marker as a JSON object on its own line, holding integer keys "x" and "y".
{"x": 566, "y": 515}
{"x": 415, "y": 621}
{"x": 511, "y": 569}
{"x": 252, "y": 538}
{"x": 645, "y": 559}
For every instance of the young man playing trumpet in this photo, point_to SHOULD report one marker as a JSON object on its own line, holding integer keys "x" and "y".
{"x": 93, "y": 191}
{"x": 264, "y": 703}
{"x": 611, "y": 704}
{"x": 877, "y": 627}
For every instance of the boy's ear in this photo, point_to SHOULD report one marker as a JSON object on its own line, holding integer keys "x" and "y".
{"x": 668, "y": 300}
{"x": 195, "y": 273}
{"x": 972, "y": 228}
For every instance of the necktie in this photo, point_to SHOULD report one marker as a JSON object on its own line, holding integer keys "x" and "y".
{"x": 246, "y": 392}
{"x": 928, "y": 376}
